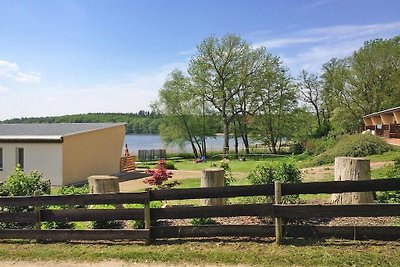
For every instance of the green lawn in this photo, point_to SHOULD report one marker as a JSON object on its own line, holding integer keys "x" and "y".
{"x": 228, "y": 252}
{"x": 234, "y": 164}
{"x": 387, "y": 156}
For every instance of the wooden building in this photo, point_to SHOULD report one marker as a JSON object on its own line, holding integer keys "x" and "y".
{"x": 385, "y": 123}
{"x": 64, "y": 152}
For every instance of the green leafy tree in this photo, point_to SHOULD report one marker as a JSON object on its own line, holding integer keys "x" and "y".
{"x": 366, "y": 82}
{"x": 222, "y": 71}
{"x": 185, "y": 118}
{"x": 277, "y": 97}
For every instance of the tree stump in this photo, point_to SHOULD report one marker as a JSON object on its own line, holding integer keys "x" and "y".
{"x": 353, "y": 169}
{"x": 213, "y": 177}
{"x": 103, "y": 184}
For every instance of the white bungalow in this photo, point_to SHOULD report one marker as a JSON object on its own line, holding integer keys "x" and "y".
{"x": 64, "y": 152}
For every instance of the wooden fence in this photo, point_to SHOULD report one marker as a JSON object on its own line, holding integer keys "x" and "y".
{"x": 42, "y": 213}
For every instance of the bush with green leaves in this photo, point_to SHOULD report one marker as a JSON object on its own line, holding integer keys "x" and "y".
{"x": 114, "y": 224}
{"x": 21, "y": 184}
{"x": 391, "y": 196}
{"x": 317, "y": 146}
{"x": 228, "y": 177}
{"x": 284, "y": 171}
{"x": 170, "y": 166}
{"x": 202, "y": 221}
{"x": 358, "y": 145}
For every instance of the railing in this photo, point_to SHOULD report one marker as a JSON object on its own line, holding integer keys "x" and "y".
{"x": 151, "y": 215}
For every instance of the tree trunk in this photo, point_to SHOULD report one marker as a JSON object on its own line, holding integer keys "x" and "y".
{"x": 245, "y": 139}
{"x": 353, "y": 169}
{"x": 236, "y": 142}
{"x": 213, "y": 177}
{"x": 196, "y": 155}
{"x": 226, "y": 136}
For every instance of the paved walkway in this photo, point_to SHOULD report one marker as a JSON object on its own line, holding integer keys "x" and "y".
{"x": 393, "y": 141}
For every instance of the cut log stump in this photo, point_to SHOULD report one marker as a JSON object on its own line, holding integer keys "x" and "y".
{"x": 103, "y": 184}
{"x": 213, "y": 177}
{"x": 353, "y": 169}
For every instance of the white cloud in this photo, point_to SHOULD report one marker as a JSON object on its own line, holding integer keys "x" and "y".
{"x": 7, "y": 67}
{"x": 11, "y": 70}
{"x": 28, "y": 77}
{"x": 4, "y": 90}
{"x": 311, "y": 48}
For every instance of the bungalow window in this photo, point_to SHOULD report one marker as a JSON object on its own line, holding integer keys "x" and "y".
{"x": 20, "y": 157}
{"x": 1, "y": 158}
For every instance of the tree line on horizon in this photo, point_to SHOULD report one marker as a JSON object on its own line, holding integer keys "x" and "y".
{"x": 251, "y": 94}
{"x": 143, "y": 122}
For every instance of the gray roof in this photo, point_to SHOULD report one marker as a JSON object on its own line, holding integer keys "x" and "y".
{"x": 390, "y": 110}
{"x": 47, "y": 131}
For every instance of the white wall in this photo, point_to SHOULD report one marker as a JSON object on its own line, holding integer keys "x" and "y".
{"x": 44, "y": 157}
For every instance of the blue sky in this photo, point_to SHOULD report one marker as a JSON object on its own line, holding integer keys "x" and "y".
{"x": 62, "y": 57}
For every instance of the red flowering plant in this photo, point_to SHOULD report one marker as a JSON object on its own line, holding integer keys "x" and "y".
{"x": 159, "y": 176}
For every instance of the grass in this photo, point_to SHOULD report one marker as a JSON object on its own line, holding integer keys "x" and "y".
{"x": 235, "y": 165}
{"x": 228, "y": 252}
{"x": 387, "y": 156}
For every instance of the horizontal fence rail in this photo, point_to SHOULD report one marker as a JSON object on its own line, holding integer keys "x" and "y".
{"x": 341, "y": 186}
{"x": 70, "y": 215}
{"x": 76, "y": 208}
{"x": 66, "y": 235}
{"x": 72, "y": 200}
{"x": 360, "y": 210}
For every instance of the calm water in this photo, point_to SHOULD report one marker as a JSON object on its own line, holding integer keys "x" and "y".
{"x": 136, "y": 142}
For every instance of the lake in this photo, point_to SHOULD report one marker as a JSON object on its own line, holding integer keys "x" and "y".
{"x": 136, "y": 142}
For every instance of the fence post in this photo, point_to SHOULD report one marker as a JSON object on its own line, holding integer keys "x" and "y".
{"x": 38, "y": 223}
{"x": 147, "y": 215}
{"x": 278, "y": 220}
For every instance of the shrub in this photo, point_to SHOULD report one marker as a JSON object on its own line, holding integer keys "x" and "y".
{"x": 159, "y": 175}
{"x": 391, "y": 196}
{"x": 138, "y": 224}
{"x": 319, "y": 145}
{"x": 107, "y": 224}
{"x": 21, "y": 184}
{"x": 201, "y": 221}
{"x": 169, "y": 166}
{"x": 285, "y": 171}
{"x": 297, "y": 148}
{"x": 73, "y": 190}
{"x": 353, "y": 146}
{"x": 228, "y": 178}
